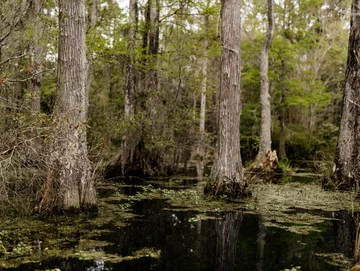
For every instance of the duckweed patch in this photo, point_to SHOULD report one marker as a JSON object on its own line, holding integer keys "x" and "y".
{"x": 300, "y": 208}
{"x": 336, "y": 259}
{"x": 276, "y": 203}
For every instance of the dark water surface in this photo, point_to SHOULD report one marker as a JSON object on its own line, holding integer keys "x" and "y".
{"x": 164, "y": 237}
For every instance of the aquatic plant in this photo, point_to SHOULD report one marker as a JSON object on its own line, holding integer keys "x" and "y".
{"x": 21, "y": 249}
{"x": 293, "y": 269}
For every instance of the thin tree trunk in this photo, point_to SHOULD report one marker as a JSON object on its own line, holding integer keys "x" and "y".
{"x": 92, "y": 23}
{"x": 153, "y": 50}
{"x": 3, "y": 178}
{"x": 282, "y": 150}
{"x": 141, "y": 147}
{"x": 36, "y": 54}
{"x": 127, "y": 144}
{"x": 122, "y": 162}
{"x": 265, "y": 130}
{"x": 227, "y": 172}
{"x": 201, "y": 148}
{"x": 154, "y": 109}
{"x": 346, "y": 168}
{"x": 69, "y": 183}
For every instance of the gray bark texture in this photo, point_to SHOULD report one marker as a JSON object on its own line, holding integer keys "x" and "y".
{"x": 201, "y": 146}
{"x": 282, "y": 138}
{"x": 265, "y": 129}
{"x": 69, "y": 183}
{"x": 128, "y": 143}
{"x": 227, "y": 172}
{"x": 346, "y": 168}
{"x": 36, "y": 53}
{"x": 92, "y": 24}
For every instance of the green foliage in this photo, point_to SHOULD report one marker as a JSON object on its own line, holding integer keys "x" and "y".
{"x": 3, "y": 236}
{"x": 306, "y": 71}
{"x": 22, "y": 249}
{"x": 286, "y": 168}
{"x": 13, "y": 247}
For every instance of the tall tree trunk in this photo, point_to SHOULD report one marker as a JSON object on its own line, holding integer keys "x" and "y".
{"x": 91, "y": 26}
{"x": 140, "y": 146}
{"x": 36, "y": 54}
{"x": 128, "y": 143}
{"x": 346, "y": 168}
{"x": 227, "y": 172}
{"x": 154, "y": 105}
{"x": 265, "y": 130}
{"x": 122, "y": 162}
{"x": 152, "y": 73}
{"x": 69, "y": 183}
{"x": 282, "y": 150}
{"x": 201, "y": 146}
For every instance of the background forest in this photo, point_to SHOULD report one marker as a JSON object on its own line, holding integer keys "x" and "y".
{"x": 154, "y": 79}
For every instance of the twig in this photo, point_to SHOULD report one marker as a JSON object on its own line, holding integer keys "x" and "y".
{"x": 11, "y": 58}
{"x": 26, "y": 79}
{"x": 354, "y": 103}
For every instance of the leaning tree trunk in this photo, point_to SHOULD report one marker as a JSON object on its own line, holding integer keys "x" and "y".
{"x": 346, "y": 168}
{"x": 68, "y": 183}
{"x": 227, "y": 172}
{"x": 265, "y": 130}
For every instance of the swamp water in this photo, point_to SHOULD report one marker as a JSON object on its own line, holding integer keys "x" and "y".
{"x": 169, "y": 225}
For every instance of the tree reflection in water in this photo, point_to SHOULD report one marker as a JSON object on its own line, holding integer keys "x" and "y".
{"x": 344, "y": 232}
{"x": 227, "y": 231}
{"x": 260, "y": 241}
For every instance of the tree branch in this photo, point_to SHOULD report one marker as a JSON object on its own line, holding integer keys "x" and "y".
{"x": 12, "y": 58}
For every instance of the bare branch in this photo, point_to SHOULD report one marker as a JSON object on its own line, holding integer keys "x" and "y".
{"x": 26, "y": 79}
{"x": 12, "y": 58}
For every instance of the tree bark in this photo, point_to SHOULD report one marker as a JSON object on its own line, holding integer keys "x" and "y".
{"x": 282, "y": 137}
{"x": 36, "y": 54}
{"x": 91, "y": 26}
{"x": 152, "y": 73}
{"x": 128, "y": 144}
{"x": 227, "y": 172}
{"x": 140, "y": 154}
{"x": 346, "y": 168}
{"x": 265, "y": 129}
{"x": 154, "y": 106}
{"x": 201, "y": 148}
{"x": 69, "y": 184}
